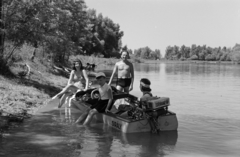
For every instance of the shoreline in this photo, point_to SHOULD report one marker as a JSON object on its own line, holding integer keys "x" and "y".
{"x": 19, "y": 94}
{"x": 188, "y": 61}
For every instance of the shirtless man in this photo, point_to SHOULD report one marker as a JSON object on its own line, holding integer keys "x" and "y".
{"x": 125, "y": 73}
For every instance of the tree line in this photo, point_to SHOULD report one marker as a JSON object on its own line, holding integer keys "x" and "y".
{"x": 147, "y": 53}
{"x": 63, "y": 27}
{"x": 203, "y": 53}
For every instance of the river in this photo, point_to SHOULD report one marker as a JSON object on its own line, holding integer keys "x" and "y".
{"x": 205, "y": 97}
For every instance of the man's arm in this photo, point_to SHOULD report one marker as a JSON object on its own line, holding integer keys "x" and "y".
{"x": 114, "y": 71}
{"x": 109, "y": 101}
{"x": 132, "y": 76}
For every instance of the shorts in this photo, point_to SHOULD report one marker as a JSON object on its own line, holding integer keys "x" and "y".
{"x": 124, "y": 82}
{"x": 100, "y": 106}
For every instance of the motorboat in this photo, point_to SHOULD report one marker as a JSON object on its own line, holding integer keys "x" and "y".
{"x": 153, "y": 115}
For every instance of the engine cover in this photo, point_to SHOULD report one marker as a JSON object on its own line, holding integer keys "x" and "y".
{"x": 156, "y": 103}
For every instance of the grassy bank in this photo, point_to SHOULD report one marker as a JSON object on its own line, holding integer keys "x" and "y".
{"x": 28, "y": 93}
{"x": 20, "y": 95}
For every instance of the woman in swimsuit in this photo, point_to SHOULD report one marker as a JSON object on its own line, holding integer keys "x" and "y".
{"x": 78, "y": 80}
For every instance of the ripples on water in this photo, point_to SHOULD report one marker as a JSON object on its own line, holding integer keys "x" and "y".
{"x": 207, "y": 102}
{"x": 205, "y": 98}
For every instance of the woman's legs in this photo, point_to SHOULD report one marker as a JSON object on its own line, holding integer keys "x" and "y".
{"x": 76, "y": 103}
{"x": 71, "y": 88}
{"x": 63, "y": 99}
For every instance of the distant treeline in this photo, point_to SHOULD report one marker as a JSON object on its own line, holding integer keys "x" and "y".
{"x": 62, "y": 27}
{"x": 203, "y": 53}
{"x": 147, "y": 53}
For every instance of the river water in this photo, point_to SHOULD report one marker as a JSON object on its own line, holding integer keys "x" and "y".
{"x": 205, "y": 97}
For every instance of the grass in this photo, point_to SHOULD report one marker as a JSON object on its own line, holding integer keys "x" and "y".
{"x": 18, "y": 94}
{"x": 15, "y": 97}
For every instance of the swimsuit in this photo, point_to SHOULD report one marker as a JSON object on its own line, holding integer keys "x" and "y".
{"x": 78, "y": 82}
{"x": 124, "y": 82}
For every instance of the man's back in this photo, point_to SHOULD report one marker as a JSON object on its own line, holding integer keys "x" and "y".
{"x": 145, "y": 96}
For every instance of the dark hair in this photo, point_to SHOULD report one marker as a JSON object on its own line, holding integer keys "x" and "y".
{"x": 126, "y": 52}
{"x": 147, "y": 82}
{"x": 81, "y": 66}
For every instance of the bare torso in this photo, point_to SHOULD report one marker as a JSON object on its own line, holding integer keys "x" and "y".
{"x": 124, "y": 69}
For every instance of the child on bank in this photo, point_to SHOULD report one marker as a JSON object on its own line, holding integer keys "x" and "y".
{"x": 103, "y": 104}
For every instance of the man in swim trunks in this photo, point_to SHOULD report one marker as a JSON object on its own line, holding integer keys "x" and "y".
{"x": 125, "y": 73}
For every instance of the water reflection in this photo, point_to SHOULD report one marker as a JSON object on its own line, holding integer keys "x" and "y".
{"x": 147, "y": 67}
{"x": 189, "y": 68}
{"x": 68, "y": 115}
{"x": 101, "y": 140}
{"x": 149, "y": 144}
{"x": 200, "y": 69}
{"x": 205, "y": 98}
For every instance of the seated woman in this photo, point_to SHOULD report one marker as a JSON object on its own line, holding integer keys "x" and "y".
{"x": 78, "y": 80}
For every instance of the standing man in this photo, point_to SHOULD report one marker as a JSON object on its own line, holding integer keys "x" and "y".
{"x": 125, "y": 73}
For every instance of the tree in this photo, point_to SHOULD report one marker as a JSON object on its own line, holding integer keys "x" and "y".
{"x": 64, "y": 28}
{"x": 158, "y": 53}
{"x": 1, "y": 29}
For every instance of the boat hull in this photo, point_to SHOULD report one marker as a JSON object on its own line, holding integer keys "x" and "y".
{"x": 166, "y": 122}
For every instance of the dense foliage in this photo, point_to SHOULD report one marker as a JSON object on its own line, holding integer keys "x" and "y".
{"x": 64, "y": 28}
{"x": 68, "y": 27}
{"x": 203, "y": 53}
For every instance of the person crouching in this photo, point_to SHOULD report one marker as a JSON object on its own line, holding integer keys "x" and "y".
{"x": 102, "y": 104}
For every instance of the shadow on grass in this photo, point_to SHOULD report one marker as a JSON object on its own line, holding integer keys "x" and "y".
{"x": 46, "y": 88}
{"x": 5, "y": 70}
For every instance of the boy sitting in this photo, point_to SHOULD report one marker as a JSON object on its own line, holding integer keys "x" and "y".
{"x": 103, "y": 104}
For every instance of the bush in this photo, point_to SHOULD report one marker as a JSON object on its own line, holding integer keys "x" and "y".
{"x": 235, "y": 57}
{"x": 194, "y": 57}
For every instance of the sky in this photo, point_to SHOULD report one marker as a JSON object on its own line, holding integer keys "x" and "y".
{"x": 161, "y": 23}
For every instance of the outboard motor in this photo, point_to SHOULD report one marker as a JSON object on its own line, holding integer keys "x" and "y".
{"x": 153, "y": 108}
